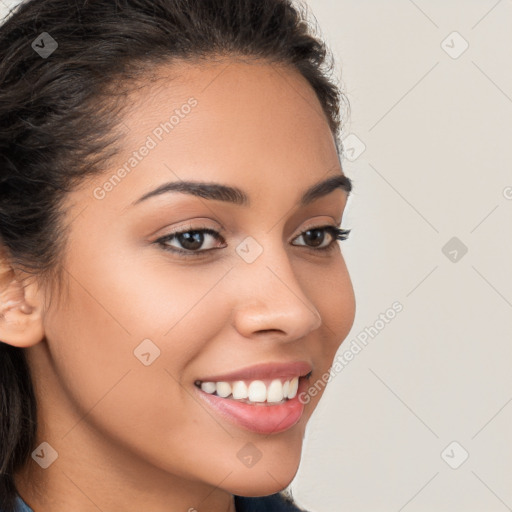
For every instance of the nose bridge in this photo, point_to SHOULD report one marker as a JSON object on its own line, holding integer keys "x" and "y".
{"x": 270, "y": 296}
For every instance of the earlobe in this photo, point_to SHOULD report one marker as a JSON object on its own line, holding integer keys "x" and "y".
{"x": 20, "y": 315}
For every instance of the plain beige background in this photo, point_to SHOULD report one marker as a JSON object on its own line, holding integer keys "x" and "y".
{"x": 429, "y": 149}
{"x": 420, "y": 418}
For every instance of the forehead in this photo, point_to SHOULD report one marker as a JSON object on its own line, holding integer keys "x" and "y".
{"x": 240, "y": 106}
{"x": 251, "y": 124}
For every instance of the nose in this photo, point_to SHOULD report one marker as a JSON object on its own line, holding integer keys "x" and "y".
{"x": 271, "y": 301}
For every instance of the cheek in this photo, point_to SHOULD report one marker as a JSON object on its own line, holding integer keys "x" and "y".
{"x": 340, "y": 302}
{"x": 330, "y": 289}
{"x": 332, "y": 293}
{"x": 117, "y": 318}
{"x": 145, "y": 291}
{"x": 92, "y": 337}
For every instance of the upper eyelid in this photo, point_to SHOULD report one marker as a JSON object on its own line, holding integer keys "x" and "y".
{"x": 223, "y": 231}
{"x": 172, "y": 235}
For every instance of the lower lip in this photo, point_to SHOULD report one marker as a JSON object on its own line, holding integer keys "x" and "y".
{"x": 262, "y": 418}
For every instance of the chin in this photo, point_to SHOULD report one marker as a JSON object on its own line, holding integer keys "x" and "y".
{"x": 266, "y": 476}
{"x": 255, "y": 488}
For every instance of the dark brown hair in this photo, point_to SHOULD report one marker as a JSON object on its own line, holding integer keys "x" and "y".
{"x": 60, "y": 116}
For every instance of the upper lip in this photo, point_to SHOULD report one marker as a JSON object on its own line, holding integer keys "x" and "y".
{"x": 263, "y": 371}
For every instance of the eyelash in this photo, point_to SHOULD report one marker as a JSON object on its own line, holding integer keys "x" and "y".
{"x": 335, "y": 232}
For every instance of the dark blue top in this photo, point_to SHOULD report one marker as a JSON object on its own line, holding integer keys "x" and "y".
{"x": 272, "y": 503}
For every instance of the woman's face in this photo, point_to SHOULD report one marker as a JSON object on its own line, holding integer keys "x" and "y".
{"x": 140, "y": 324}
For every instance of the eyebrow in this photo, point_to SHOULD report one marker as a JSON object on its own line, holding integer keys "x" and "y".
{"x": 234, "y": 195}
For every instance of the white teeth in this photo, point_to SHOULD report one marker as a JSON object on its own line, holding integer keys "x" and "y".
{"x": 286, "y": 388}
{"x": 255, "y": 391}
{"x": 294, "y": 385}
{"x": 208, "y": 387}
{"x": 240, "y": 390}
{"x": 275, "y": 391}
{"x": 223, "y": 389}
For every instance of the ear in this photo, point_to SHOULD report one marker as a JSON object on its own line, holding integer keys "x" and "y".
{"x": 20, "y": 311}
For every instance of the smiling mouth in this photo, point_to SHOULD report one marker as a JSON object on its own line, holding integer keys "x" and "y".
{"x": 255, "y": 392}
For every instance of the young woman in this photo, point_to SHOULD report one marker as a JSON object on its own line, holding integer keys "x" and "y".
{"x": 171, "y": 283}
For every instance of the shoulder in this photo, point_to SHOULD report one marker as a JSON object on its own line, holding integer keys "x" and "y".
{"x": 20, "y": 505}
{"x": 278, "y": 502}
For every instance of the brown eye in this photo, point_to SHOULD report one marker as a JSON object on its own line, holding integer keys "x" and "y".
{"x": 189, "y": 241}
{"x": 314, "y": 236}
